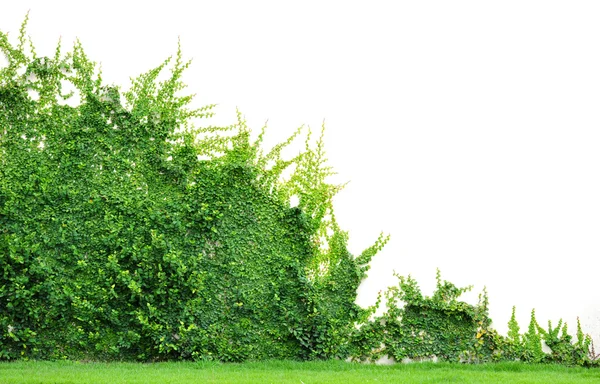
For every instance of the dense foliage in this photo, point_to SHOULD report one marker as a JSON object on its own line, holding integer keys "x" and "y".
{"x": 418, "y": 327}
{"x": 128, "y": 232}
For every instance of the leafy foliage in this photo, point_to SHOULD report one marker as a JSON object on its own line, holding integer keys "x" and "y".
{"x": 562, "y": 349}
{"x": 418, "y": 327}
{"x": 126, "y": 232}
{"x": 129, "y": 233}
{"x": 422, "y": 327}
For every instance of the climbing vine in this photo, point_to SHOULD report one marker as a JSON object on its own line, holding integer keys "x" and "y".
{"x": 129, "y": 230}
{"x": 418, "y": 327}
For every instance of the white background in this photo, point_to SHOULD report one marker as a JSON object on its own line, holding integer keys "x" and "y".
{"x": 469, "y": 129}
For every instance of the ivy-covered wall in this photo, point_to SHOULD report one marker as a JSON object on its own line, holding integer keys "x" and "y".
{"x": 419, "y": 327}
{"x": 128, "y": 231}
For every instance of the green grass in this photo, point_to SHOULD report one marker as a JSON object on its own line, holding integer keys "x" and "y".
{"x": 290, "y": 372}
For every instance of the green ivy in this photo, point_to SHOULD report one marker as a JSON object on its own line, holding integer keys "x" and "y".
{"x": 421, "y": 327}
{"x": 128, "y": 232}
{"x": 418, "y": 327}
{"x": 562, "y": 349}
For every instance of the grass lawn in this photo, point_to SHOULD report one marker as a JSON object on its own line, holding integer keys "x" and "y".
{"x": 290, "y": 372}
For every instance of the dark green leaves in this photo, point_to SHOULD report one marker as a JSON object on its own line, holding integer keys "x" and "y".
{"x": 118, "y": 242}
